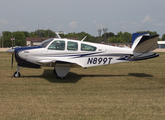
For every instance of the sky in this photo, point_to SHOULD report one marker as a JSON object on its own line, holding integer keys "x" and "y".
{"x": 83, "y": 15}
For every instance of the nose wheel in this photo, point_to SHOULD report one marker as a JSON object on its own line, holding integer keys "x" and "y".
{"x": 17, "y": 73}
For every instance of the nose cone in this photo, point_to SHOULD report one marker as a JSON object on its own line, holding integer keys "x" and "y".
{"x": 21, "y": 52}
{"x": 21, "y": 58}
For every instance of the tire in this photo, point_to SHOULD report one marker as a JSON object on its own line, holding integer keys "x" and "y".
{"x": 16, "y": 75}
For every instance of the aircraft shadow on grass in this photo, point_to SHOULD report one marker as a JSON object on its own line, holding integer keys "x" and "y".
{"x": 74, "y": 78}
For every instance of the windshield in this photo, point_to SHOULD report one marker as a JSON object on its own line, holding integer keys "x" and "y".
{"x": 45, "y": 43}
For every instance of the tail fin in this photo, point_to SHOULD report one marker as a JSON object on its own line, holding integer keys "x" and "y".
{"x": 144, "y": 43}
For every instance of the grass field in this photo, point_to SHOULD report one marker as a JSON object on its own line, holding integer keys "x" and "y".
{"x": 134, "y": 90}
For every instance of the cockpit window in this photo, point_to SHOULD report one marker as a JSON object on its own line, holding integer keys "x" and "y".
{"x": 45, "y": 43}
{"x": 57, "y": 45}
{"x": 73, "y": 46}
{"x": 85, "y": 47}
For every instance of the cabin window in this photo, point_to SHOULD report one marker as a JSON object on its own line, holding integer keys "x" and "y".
{"x": 72, "y": 46}
{"x": 57, "y": 45}
{"x": 85, "y": 47}
{"x": 45, "y": 43}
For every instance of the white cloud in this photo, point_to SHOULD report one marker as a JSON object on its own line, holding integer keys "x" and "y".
{"x": 133, "y": 23}
{"x": 114, "y": 23}
{"x": 98, "y": 25}
{"x": 3, "y": 21}
{"x": 48, "y": 21}
{"x": 73, "y": 24}
{"x": 14, "y": 23}
{"x": 147, "y": 19}
{"x": 123, "y": 27}
{"x": 126, "y": 25}
{"x": 60, "y": 27}
{"x": 158, "y": 24}
{"x": 22, "y": 27}
{"x": 121, "y": 22}
{"x": 95, "y": 22}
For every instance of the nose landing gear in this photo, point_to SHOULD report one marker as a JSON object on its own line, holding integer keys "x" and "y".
{"x": 17, "y": 73}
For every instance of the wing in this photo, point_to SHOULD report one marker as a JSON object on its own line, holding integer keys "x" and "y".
{"x": 61, "y": 67}
{"x": 52, "y": 63}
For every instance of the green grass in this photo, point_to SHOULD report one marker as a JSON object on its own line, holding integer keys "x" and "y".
{"x": 134, "y": 90}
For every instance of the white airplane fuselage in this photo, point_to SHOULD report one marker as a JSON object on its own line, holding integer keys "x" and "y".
{"x": 103, "y": 55}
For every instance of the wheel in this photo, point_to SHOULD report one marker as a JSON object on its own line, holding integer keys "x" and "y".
{"x": 17, "y": 74}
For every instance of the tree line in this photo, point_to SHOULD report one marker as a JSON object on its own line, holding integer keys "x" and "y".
{"x": 20, "y": 37}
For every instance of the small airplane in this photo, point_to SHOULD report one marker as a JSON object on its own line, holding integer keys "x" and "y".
{"x": 62, "y": 53}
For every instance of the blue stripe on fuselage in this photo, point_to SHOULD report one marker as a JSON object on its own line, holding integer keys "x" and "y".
{"x": 26, "y": 48}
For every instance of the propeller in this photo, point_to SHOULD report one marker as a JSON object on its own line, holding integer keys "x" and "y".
{"x": 12, "y": 61}
{"x": 11, "y": 51}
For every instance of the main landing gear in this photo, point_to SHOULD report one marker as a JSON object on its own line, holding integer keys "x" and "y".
{"x": 17, "y": 73}
{"x": 61, "y": 70}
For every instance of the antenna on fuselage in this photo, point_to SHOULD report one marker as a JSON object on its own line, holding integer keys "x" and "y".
{"x": 58, "y": 35}
{"x": 83, "y": 38}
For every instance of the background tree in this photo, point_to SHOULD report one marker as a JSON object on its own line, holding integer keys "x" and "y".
{"x": 6, "y": 39}
{"x": 163, "y": 37}
{"x": 120, "y": 38}
{"x": 89, "y": 38}
{"x": 20, "y": 38}
{"x": 108, "y": 35}
{"x": 150, "y": 32}
{"x": 112, "y": 39}
{"x": 127, "y": 37}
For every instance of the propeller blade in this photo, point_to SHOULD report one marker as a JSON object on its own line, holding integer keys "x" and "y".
{"x": 10, "y": 51}
{"x": 12, "y": 61}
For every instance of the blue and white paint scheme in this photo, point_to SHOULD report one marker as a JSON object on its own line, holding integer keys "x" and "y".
{"x": 62, "y": 54}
